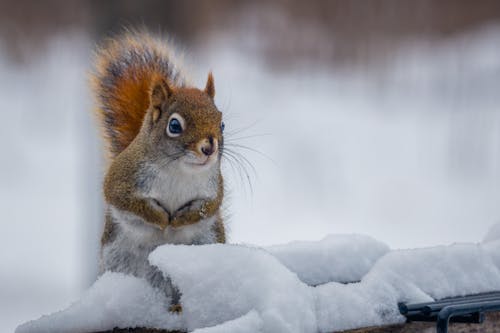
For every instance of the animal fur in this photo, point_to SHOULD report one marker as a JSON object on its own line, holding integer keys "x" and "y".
{"x": 152, "y": 197}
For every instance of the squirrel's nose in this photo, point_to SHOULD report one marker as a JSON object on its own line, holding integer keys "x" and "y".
{"x": 208, "y": 146}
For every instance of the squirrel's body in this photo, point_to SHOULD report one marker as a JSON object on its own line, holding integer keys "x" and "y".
{"x": 163, "y": 185}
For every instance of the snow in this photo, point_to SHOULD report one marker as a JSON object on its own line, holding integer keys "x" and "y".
{"x": 340, "y": 258}
{"x": 492, "y": 249}
{"x": 413, "y": 276}
{"x": 240, "y": 288}
{"x": 493, "y": 233}
{"x": 249, "y": 323}
{"x": 233, "y": 286}
{"x": 441, "y": 271}
{"x": 492, "y": 242}
{"x": 114, "y": 300}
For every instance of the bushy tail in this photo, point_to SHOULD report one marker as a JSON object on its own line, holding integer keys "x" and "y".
{"x": 125, "y": 68}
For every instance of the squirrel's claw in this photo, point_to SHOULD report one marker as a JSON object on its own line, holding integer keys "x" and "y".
{"x": 176, "y": 308}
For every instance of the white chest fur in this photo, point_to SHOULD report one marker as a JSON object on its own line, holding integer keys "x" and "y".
{"x": 175, "y": 187}
{"x": 135, "y": 238}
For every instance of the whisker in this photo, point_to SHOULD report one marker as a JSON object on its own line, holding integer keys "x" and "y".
{"x": 236, "y": 167}
{"x": 171, "y": 158}
{"x": 242, "y": 129}
{"x": 230, "y": 138}
{"x": 230, "y": 161}
{"x": 244, "y": 161}
{"x": 239, "y": 165}
{"x": 237, "y": 145}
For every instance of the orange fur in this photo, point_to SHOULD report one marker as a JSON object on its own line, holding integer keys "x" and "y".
{"x": 125, "y": 69}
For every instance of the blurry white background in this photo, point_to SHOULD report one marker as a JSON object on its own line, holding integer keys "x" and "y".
{"x": 376, "y": 119}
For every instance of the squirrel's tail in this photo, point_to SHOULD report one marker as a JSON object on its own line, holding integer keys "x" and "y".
{"x": 125, "y": 68}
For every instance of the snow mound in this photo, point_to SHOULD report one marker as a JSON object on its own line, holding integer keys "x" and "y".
{"x": 493, "y": 233}
{"x": 231, "y": 288}
{"x": 414, "y": 276}
{"x": 441, "y": 271}
{"x": 339, "y": 258}
{"x": 242, "y": 279}
{"x": 114, "y": 300}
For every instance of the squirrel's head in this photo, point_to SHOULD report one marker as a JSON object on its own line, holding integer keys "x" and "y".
{"x": 185, "y": 125}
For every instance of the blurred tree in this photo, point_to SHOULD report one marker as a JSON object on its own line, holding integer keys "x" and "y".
{"x": 342, "y": 31}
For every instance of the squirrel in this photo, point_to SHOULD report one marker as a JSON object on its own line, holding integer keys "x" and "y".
{"x": 165, "y": 138}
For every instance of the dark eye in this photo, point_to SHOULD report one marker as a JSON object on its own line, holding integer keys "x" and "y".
{"x": 222, "y": 126}
{"x": 174, "y": 126}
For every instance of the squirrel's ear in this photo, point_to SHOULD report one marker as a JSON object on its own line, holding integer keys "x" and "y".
{"x": 210, "y": 88}
{"x": 160, "y": 91}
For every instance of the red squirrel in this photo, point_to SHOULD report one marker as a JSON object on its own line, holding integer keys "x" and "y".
{"x": 164, "y": 183}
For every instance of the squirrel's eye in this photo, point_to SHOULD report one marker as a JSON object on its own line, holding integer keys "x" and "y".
{"x": 175, "y": 125}
{"x": 222, "y": 126}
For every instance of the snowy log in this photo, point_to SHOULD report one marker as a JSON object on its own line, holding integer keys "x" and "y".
{"x": 138, "y": 330}
{"x": 240, "y": 289}
{"x": 490, "y": 325}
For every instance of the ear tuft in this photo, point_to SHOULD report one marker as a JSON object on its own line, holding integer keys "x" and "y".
{"x": 210, "y": 87}
{"x": 160, "y": 92}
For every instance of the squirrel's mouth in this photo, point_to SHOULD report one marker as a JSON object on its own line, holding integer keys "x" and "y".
{"x": 199, "y": 162}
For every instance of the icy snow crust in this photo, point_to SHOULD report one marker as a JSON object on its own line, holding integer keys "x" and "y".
{"x": 340, "y": 258}
{"x": 234, "y": 288}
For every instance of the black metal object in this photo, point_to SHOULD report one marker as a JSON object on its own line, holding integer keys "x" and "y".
{"x": 466, "y": 309}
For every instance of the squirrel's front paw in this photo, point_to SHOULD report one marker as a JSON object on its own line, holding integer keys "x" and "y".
{"x": 195, "y": 205}
{"x": 160, "y": 217}
{"x": 190, "y": 213}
